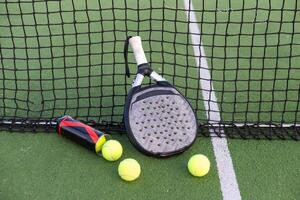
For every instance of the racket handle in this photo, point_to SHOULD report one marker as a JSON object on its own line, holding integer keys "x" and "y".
{"x": 81, "y": 133}
{"x": 139, "y": 54}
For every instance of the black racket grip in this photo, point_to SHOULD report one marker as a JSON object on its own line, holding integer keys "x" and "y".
{"x": 81, "y": 133}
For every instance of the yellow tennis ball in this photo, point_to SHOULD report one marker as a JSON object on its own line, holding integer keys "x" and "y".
{"x": 198, "y": 165}
{"x": 112, "y": 150}
{"x": 99, "y": 144}
{"x": 129, "y": 169}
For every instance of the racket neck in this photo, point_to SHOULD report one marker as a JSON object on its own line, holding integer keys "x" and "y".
{"x": 144, "y": 69}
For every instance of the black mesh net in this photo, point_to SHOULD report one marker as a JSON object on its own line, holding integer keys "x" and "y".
{"x": 237, "y": 62}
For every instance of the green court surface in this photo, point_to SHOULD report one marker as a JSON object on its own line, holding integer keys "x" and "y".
{"x": 64, "y": 59}
{"x": 267, "y": 169}
{"x": 46, "y": 166}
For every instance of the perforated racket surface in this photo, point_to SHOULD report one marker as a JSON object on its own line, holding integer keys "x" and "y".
{"x": 158, "y": 119}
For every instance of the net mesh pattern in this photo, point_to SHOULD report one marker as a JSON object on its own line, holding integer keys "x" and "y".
{"x": 66, "y": 57}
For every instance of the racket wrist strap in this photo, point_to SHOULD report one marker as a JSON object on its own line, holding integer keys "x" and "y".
{"x": 144, "y": 69}
{"x": 125, "y": 52}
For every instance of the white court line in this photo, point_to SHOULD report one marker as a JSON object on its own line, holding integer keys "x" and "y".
{"x": 229, "y": 186}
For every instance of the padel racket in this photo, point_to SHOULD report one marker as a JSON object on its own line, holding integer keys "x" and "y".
{"x": 159, "y": 120}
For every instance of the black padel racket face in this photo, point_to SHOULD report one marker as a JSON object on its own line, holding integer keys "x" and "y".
{"x": 158, "y": 119}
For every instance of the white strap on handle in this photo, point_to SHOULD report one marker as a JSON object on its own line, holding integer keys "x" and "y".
{"x": 139, "y": 54}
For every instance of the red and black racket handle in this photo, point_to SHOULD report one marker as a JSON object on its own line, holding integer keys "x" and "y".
{"x": 81, "y": 133}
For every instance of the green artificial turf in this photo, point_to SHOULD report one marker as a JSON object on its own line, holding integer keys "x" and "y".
{"x": 46, "y": 166}
{"x": 267, "y": 169}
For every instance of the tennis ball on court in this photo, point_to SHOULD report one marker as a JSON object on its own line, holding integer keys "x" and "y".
{"x": 129, "y": 169}
{"x": 112, "y": 150}
{"x": 198, "y": 165}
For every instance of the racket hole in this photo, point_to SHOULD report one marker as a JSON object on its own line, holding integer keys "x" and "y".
{"x": 144, "y": 101}
{"x": 173, "y": 102}
{"x": 188, "y": 128}
{"x": 184, "y": 133}
{"x": 158, "y": 145}
{"x": 144, "y": 138}
{"x": 158, "y": 126}
{"x": 180, "y": 140}
{"x": 178, "y": 115}
{"x": 150, "y": 102}
{"x": 167, "y": 142}
{"x": 167, "y": 97}
{"x": 143, "y": 108}
{"x": 172, "y": 127}
{"x": 151, "y": 113}
{"x": 170, "y": 135}
{"x": 184, "y": 114}
{"x": 148, "y": 134}
{"x": 175, "y": 133}
{"x": 148, "y": 120}
{"x": 151, "y": 140}
{"x": 155, "y": 132}
{"x": 166, "y": 130}
{"x": 168, "y": 112}
{"x": 171, "y": 108}
{"x": 141, "y": 130}
{"x": 142, "y": 122}
{"x": 172, "y": 117}
{"x": 177, "y": 127}
{"x": 165, "y": 138}
{"x": 154, "y": 120}
{"x": 148, "y": 107}
{"x": 176, "y": 108}
{"x": 166, "y": 117}
{"x": 136, "y": 123}
{"x": 145, "y": 115}
{"x": 157, "y": 138}
{"x": 161, "y": 132}
{"x": 186, "y": 121}
{"x": 172, "y": 140}
{"x": 145, "y": 127}
{"x": 164, "y": 125}
{"x": 152, "y": 127}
